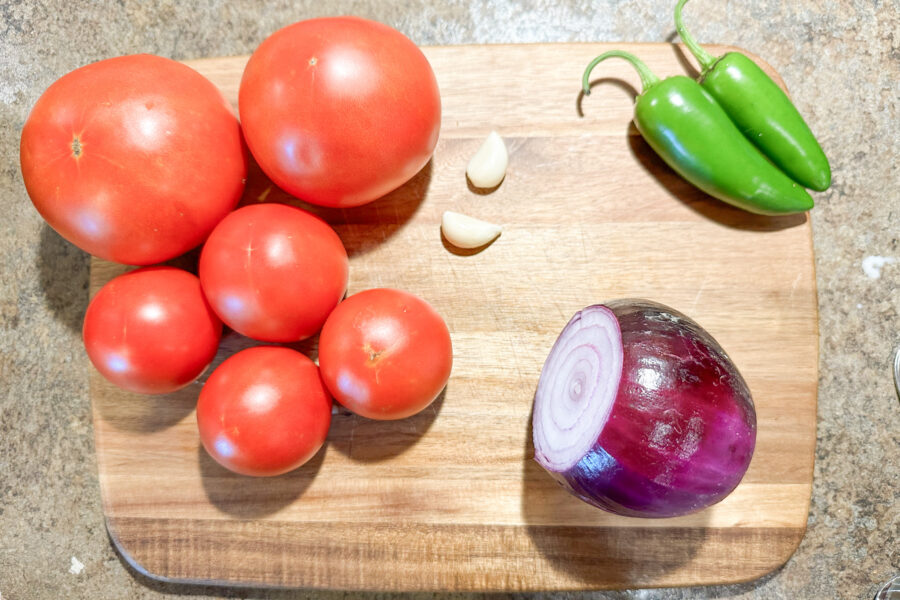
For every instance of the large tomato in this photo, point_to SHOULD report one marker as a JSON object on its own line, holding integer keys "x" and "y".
{"x": 264, "y": 411}
{"x": 151, "y": 330}
{"x": 133, "y": 159}
{"x": 385, "y": 354}
{"x": 339, "y": 111}
{"x": 274, "y": 272}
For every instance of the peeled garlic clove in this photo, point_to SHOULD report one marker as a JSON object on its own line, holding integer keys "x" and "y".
{"x": 487, "y": 167}
{"x": 467, "y": 232}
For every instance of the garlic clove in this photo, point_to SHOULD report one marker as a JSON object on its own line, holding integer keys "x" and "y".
{"x": 487, "y": 167}
{"x": 467, "y": 232}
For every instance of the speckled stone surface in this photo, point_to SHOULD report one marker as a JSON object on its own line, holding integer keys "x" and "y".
{"x": 841, "y": 62}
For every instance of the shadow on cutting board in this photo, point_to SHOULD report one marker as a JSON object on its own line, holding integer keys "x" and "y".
{"x": 628, "y": 555}
{"x": 361, "y": 228}
{"x": 366, "y": 440}
{"x": 700, "y": 202}
{"x": 623, "y": 85}
{"x": 140, "y": 413}
{"x": 254, "y": 497}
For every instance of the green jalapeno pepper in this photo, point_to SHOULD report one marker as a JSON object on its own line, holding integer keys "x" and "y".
{"x": 694, "y": 136}
{"x": 762, "y": 111}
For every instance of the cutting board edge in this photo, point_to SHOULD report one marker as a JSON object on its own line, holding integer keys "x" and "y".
{"x": 713, "y": 48}
{"x": 135, "y": 561}
{"x": 685, "y": 56}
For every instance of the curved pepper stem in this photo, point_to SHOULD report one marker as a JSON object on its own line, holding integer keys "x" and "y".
{"x": 705, "y": 59}
{"x": 648, "y": 78}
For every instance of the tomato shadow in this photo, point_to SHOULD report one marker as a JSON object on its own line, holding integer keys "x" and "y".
{"x": 64, "y": 278}
{"x": 361, "y": 228}
{"x": 700, "y": 202}
{"x": 141, "y": 413}
{"x": 584, "y": 542}
{"x": 233, "y": 342}
{"x": 246, "y": 497}
{"x": 367, "y": 440}
{"x": 189, "y": 261}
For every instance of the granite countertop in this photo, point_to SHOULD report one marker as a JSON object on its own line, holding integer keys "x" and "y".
{"x": 841, "y": 61}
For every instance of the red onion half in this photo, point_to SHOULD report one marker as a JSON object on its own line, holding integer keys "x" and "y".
{"x": 640, "y": 412}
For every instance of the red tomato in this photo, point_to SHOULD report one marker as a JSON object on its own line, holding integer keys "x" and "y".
{"x": 274, "y": 272}
{"x": 264, "y": 411}
{"x": 151, "y": 330}
{"x": 339, "y": 111}
{"x": 385, "y": 354}
{"x": 133, "y": 159}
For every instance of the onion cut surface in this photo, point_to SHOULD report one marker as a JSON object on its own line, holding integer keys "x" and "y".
{"x": 640, "y": 412}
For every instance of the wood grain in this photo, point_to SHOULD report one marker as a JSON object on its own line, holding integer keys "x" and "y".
{"x": 451, "y": 499}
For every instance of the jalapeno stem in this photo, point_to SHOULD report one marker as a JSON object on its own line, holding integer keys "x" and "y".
{"x": 647, "y": 76}
{"x": 705, "y": 59}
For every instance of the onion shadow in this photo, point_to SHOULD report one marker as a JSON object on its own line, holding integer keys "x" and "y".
{"x": 367, "y": 440}
{"x": 361, "y": 228}
{"x": 246, "y": 497}
{"x": 600, "y": 556}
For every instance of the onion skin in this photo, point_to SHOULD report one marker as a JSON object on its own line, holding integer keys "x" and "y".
{"x": 682, "y": 428}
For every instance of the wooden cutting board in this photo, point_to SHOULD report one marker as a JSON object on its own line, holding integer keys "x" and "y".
{"x": 451, "y": 499}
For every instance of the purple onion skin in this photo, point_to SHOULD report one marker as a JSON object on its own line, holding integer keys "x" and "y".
{"x": 682, "y": 428}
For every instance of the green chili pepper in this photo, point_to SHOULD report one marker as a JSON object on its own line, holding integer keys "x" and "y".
{"x": 762, "y": 111}
{"x": 691, "y": 132}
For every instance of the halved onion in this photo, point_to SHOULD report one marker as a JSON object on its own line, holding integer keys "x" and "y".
{"x": 640, "y": 412}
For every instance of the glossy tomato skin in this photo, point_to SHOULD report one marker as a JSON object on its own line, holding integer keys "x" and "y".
{"x": 133, "y": 159}
{"x": 151, "y": 330}
{"x": 274, "y": 272}
{"x": 264, "y": 411}
{"x": 339, "y": 111}
{"x": 385, "y": 354}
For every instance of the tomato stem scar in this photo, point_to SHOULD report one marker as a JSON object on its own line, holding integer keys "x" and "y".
{"x": 76, "y": 146}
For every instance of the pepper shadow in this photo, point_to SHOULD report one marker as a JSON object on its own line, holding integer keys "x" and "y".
{"x": 700, "y": 202}
{"x": 697, "y": 200}
{"x": 683, "y": 56}
{"x": 64, "y": 278}
{"x": 361, "y": 228}
{"x": 248, "y": 497}
{"x": 604, "y": 81}
{"x": 626, "y": 555}
{"x": 367, "y": 440}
